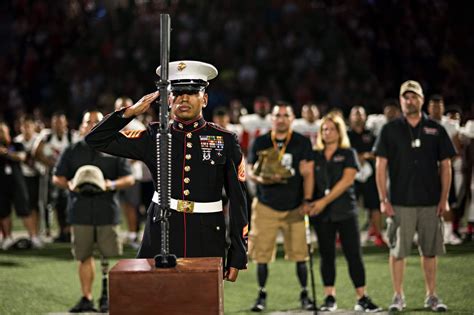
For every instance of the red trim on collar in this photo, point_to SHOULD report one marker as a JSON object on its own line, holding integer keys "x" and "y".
{"x": 186, "y": 131}
{"x": 186, "y": 123}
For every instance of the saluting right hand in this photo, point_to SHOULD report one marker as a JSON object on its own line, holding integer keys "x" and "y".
{"x": 141, "y": 106}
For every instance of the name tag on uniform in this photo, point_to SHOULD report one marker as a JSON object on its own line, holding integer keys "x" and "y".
{"x": 8, "y": 170}
{"x": 430, "y": 131}
{"x": 339, "y": 158}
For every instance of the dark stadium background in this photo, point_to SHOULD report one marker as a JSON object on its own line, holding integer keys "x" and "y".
{"x": 76, "y": 54}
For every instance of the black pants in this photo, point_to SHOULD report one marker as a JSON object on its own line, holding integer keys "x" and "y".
{"x": 190, "y": 235}
{"x": 350, "y": 240}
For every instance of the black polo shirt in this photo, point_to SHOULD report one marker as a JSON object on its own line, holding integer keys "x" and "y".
{"x": 101, "y": 209}
{"x": 362, "y": 142}
{"x": 285, "y": 196}
{"x": 10, "y": 169}
{"x": 13, "y": 182}
{"x": 326, "y": 174}
{"x": 414, "y": 171}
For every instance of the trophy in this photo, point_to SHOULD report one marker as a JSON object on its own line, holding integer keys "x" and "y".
{"x": 269, "y": 164}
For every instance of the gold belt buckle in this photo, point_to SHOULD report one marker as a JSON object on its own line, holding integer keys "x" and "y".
{"x": 185, "y": 206}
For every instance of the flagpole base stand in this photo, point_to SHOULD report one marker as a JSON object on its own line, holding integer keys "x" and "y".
{"x": 165, "y": 261}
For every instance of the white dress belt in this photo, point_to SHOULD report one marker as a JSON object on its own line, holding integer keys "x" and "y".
{"x": 191, "y": 206}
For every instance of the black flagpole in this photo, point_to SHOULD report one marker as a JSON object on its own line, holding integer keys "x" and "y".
{"x": 310, "y": 252}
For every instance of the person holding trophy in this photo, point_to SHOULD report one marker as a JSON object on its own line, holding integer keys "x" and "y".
{"x": 282, "y": 168}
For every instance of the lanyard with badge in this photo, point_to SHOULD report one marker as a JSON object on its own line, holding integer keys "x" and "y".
{"x": 327, "y": 190}
{"x": 8, "y": 168}
{"x": 415, "y": 142}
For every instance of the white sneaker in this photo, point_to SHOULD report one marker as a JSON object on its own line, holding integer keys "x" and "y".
{"x": 398, "y": 303}
{"x": 435, "y": 304}
{"x": 36, "y": 242}
{"x": 453, "y": 240}
{"x": 7, "y": 243}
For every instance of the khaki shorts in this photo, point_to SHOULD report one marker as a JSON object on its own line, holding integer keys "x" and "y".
{"x": 401, "y": 229}
{"x": 265, "y": 225}
{"x": 105, "y": 236}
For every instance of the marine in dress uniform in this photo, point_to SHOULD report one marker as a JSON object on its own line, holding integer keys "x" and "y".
{"x": 205, "y": 159}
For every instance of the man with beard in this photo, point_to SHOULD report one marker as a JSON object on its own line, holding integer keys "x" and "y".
{"x": 417, "y": 152}
{"x": 279, "y": 202}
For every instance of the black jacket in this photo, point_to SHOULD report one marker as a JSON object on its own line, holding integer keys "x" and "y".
{"x": 205, "y": 159}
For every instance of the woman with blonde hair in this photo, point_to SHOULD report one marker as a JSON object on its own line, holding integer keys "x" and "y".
{"x": 333, "y": 210}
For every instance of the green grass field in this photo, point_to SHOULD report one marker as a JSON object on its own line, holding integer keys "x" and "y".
{"x": 45, "y": 281}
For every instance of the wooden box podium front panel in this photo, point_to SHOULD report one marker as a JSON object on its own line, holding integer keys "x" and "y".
{"x": 194, "y": 286}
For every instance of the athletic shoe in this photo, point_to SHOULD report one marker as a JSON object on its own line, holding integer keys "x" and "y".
{"x": 261, "y": 302}
{"x": 84, "y": 305}
{"x": 435, "y": 304}
{"x": 306, "y": 302}
{"x": 398, "y": 303}
{"x": 365, "y": 304}
{"x": 329, "y": 304}
{"x": 7, "y": 243}
{"x": 63, "y": 238}
{"x": 454, "y": 240}
{"x": 36, "y": 242}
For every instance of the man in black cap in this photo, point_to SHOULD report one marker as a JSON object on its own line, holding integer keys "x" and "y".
{"x": 205, "y": 158}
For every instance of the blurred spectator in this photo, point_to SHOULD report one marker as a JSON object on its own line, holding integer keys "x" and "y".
{"x": 255, "y": 124}
{"x": 436, "y": 111}
{"x": 362, "y": 140}
{"x": 71, "y": 55}
{"x": 130, "y": 197}
{"x": 391, "y": 111}
{"x": 30, "y": 168}
{"x": 221, "y": 117}
{"x": 52, "y": 143}
{"x": 236, "y": 110}
{"x": 467, "y": 202}
{"x": 15, "y": 191}
{"x": 308, "y": 124}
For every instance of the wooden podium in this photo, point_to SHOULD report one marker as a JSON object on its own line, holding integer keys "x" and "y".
{"x": 194, "y": 286}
